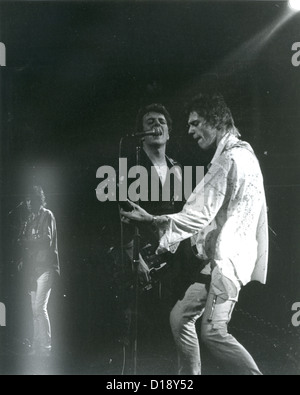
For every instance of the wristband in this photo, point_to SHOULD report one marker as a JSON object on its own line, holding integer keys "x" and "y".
{"x": 154, "y": 219}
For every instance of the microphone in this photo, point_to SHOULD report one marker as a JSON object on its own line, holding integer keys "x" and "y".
{"x": 15, "y": 208}
{"x": 154, "y": 132}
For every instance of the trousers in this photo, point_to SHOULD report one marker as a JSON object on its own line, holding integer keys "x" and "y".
{"x": 39, "y": 303}
{"x": 215, "y": 309}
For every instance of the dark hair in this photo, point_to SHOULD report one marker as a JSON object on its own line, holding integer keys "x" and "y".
{"x": 154, "y": 107}
{"x": 214, "y": 110}
{"x": 36, "y": 193}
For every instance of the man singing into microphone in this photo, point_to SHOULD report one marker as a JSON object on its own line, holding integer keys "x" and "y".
{"x": 156, "y": 302}
{"x": 155, "y": 118}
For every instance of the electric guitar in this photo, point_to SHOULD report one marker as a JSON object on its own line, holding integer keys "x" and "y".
{"x": 159, "y": 264}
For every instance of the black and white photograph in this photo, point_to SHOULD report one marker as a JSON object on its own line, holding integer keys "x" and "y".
{"x": 149, "y": 169}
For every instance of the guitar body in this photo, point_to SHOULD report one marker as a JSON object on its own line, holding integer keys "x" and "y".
{"x": 191, "y": 263}
{"x": 156, "y": 263}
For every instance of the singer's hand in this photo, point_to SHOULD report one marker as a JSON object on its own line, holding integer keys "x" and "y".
{"x": 138, "y": 214}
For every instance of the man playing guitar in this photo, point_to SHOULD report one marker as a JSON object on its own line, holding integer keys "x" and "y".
{"x": 158, "y": 294}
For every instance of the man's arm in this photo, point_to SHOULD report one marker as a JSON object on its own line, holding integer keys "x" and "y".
{"x": 200, "y": 209}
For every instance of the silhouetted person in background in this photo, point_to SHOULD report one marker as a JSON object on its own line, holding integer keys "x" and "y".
{"x": 40, "y": 265}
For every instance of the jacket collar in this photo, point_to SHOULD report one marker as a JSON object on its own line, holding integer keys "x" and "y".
{"x": 226, "y": 142}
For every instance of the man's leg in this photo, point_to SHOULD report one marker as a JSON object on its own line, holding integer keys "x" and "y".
{"x": 214, "y": 334}
{"x": 183, "y": 318}
{"x": 44, "y": 284}
{"x": 35, "y": 342}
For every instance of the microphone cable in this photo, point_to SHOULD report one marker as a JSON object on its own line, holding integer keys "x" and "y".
{"x": 122, "y": 258}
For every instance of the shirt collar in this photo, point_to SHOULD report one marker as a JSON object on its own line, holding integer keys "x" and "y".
{"x": 228, "y": 139}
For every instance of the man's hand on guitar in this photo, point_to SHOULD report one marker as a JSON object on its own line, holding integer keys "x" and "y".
{"x": 138, "y": 214}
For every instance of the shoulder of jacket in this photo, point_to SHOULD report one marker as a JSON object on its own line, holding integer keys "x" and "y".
{"x": 240, "y": 144}
{"x": 47, "y": 213}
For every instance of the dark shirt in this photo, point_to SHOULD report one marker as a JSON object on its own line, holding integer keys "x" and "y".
{"x": 161, "y": 206}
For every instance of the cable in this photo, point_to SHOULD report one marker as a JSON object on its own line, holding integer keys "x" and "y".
{"x": 121, "y": 223}
{"x": 122, "y": 255}
{"x": 124, "y": 360}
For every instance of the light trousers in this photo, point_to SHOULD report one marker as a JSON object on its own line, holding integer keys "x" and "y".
{"x": 216, "y": 314}
{"x": 39, "y": 303}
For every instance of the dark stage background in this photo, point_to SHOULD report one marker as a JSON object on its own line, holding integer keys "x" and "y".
{"x": 76, "y": 74}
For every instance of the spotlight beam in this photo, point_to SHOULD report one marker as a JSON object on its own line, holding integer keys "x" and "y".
{"x": 294, "y": 5}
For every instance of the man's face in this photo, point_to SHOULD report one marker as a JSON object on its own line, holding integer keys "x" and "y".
{"x": 33, "y": 205}
{"x": 202, "y": 132}
{"x": 28, "y": 203}
{"x": 158, "y": 121}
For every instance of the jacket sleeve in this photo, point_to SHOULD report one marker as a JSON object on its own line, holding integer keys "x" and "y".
{"x": 201, "y": 208}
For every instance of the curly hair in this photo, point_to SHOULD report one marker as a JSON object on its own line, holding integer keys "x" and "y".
{"x": 214, "y": 110}
{"x": 154, "y": 107}
{"x": 37, "y": 194}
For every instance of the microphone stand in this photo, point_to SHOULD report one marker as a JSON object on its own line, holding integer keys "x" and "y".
{"x": 136, "y": 262}
{"x": 15, "y": 208}
{"x": 136, "y": 257}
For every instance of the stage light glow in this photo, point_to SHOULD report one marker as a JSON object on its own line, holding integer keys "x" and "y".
{"x": 294, "y": 5}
